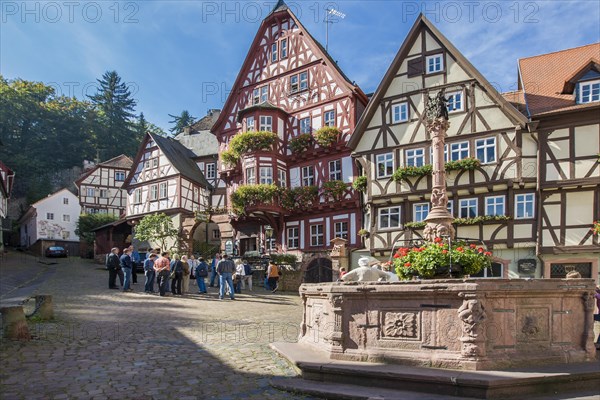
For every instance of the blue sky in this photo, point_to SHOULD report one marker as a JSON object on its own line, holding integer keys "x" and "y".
{"x": 178, "y": 55}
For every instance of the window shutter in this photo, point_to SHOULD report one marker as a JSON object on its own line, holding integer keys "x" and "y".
{"x": 415, "y": 67}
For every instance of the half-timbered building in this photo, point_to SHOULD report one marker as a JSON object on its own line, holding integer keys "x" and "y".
{"x": 100, "y": 187}
{"x": 165, "y": 178}
{"x": 490, "y": 155}
{"x": 561, "y": 92}
{"x": 290, "y": 86}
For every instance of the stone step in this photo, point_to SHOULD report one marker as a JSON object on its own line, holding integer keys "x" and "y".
{"x": 519, "y": 383}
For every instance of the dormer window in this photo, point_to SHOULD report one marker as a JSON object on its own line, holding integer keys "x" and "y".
{"x": 434, "y": 63}
{"x": 589, "y": 92}
{"x": 455, "y": 101}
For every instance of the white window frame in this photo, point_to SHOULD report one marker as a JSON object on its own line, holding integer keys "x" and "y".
{"x": 211, "y": 170}
{"x": 335, "y": 170}
{"x": 498, "y": 203}
{"x": 264, "y": 94}
{"x": 467, "y": 204}
{"x": 412, "y": 157}
{"x": 250, "y": 123}
{"x": 294, "y": 85}
{"x": 450, "y": 207}
{"x": 484, "y": 145}
{"x": 266, "y": 123}
{"x": 389, "y": 212}
{"x": 119, "y": 176}
{"x": 445, "y": 154}
{"x": 317, "y": 236}
{"x": 90, "y": 192}
{"x": 303, "y": 80}
{"x": 65, "y": 200}
{"x": 281, "y": 177}
{"x": 50, "y": 216}
{"x": 162, "y": 190}
{"x": 459, "y": 148}
{"x": 274, "y": 52}
{"x": 293, "y": 237}
{"x": 266, "y": 175}
{"x": 308, "y": 175}
{"x": 420, "y": 211}
{"x": 397, "y": 111}
{"x": 137, "y": 196}
{"x": 305, "y": 125}
{"x": 428, "y": 64}
{"x": 255, "y": 96}
{"x": 155, "y": 162}
{"x": 66, "y": 218}
{"x": 251, "y": 176}
{"x": 283, "y": 49}
{"x": 340, "y": 229}
{"x": 153, "y": 192}
{"x": 592, "y": 95}
{"x": 525, "y": 199}
{"x": 329, "y": 118}
{"x": 451, "y": 104}
{"x": 387, "y": 160}
{"x": 103, "y": 193}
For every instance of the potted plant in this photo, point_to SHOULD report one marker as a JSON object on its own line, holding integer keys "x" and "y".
{"x": 360, "y": 184}
{"x": 363, "y": 233}
{"x": 300, "y": 143}
{"x": 327, "y": 136}
{"x": 434, "y": 259}
{"x": 334, "y": 190}
{"x": 596, "y": 228}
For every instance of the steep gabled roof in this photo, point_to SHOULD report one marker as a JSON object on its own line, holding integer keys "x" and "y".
{"x": 544, "y": 77}
{"x": 281, "y": 7}
{"x": 181, "y": 158}
{"x": 205, "y": 123}
{"x": 422, "y": 23}
{"x": 120, "y": 162}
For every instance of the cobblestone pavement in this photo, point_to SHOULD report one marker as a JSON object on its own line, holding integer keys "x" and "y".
{"x": 106, "y": 344}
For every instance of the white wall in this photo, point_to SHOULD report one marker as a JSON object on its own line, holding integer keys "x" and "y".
{"x": 56, "y": 228}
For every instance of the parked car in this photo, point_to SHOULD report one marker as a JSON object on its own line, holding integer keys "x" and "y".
{"x": 56, "y": 251}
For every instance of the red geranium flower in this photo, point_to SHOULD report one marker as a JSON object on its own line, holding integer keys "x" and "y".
{"x": 473, "y": 246}
{"x": 459, "y": 249}
{"x": 444, "y": 251}
{"x": 480, "y": 249}
{"x": 407, "y": 264}
{"x": 437, "y": 240}
{"x": 488, "y": 253}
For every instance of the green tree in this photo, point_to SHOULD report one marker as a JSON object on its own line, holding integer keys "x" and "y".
{"x": 156, "y": 228}
{"x": 181, "y": 121}
{"x": 115, "y": 106}
{"x": 87, "y": 222}
{"x": 143, "y": 126}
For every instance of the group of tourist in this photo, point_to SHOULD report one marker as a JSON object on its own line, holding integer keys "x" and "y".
{"x": 174, "y": 273}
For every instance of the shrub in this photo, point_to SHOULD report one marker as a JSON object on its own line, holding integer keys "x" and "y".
{"x": 252, "y": 141}
{"x": 300, "y": 198}
{"x": 466, "y": 164}
{"x": 300, "y": 143}
{"x": 334, "y": 189}
{"x": 248, "y": 195}
{"x": 229, "y": 158}
{"x": 284, "y": 259}
{"x": 360, "y": 184}
{"x": 403, "y": 173}
{"x": 327, "y": 136}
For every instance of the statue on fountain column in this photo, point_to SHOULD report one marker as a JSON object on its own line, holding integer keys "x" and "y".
{"x": 436, "y": 107}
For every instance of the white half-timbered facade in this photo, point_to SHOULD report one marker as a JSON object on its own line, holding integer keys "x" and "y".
{"x": 100, "y": 188}
{"x": 484, "y": 126}
{"x": 290, "y": 86}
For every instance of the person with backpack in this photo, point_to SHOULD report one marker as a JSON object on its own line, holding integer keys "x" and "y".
{"x": 149, "y": 273}
{"x": 112, "y": 265}
{"x": 176, "y": 275}
{"x": 161, "y": 268}
{"x": 201, "y": 272}
{"x": 273, "y": 276}
{"x": 214, "y": 276}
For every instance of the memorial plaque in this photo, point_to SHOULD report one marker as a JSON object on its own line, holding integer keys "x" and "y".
{"x": 527, "y": 266}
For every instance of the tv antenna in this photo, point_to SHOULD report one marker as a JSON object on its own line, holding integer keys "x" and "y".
{"x": 331, "y": 11}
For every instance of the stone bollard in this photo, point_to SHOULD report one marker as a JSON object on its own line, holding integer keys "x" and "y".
{"x": 14, "y": 324}
{"x": 44, "y": 307}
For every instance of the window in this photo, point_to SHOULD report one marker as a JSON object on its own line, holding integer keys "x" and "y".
{"x": 274, "y": 52}
{"x": 147, "y": 164}
{"x": 421, "y": 211}
{"x": 216, "y": 234}
{"x": 589, "y": 92}
{"x": 250, "y": 176}
{"x": 103, "y": 193}
{"x": 65, "y": 200}
{"x": 335, "y": 170}
{"x": 305, "y": 125}
{"x": 66, "y": 218}
{"x": 467, "y": 208}
{"x": 294, "y": 83}
{"x": 308, "y": 176}
{"x": 90, "y": 192}
{"x": 264, "y": 94}
{"x": 50, "y": 216}
{"x": 163, "y": 190}
{"x": 155, "y": 162}
{"x": 137, "y": 196}
{"x": 266, "y": 123}
{"x": 445, "y": 154}
{"x": 458, "y": 151}
{"x": 399, "y": 113}
{"x": 434, "y": 63}
{"x": 385, "y": 165}
{"x": 450, "y": 207}
{"x": 303, "y": 81}
{"x": 283, "y": 48}
{"x": 119, "y": 176}
{"x": 496, "y": 271}
{"x": 415, "y": 157}
{"x": 524, "y": 206}
{"x": 494, "y": 205}
{"x": 455, "y": 101}
{"x": 389, "y": 217}
{"x": 299, "y": 82}
{"x": 329, "y": 118}
{"x": 266, "y": 175}
{"x": 250, "y": 123}
{"x": 153, "y": 192}
{"x": 211, "y": 171}
{"x": 282, "y": 178}
{"x": 65, "y": 234}
{"x": 292, "y": 238}
{"x": 316, "y": 235}
{"x": 256, "y": 96}
{"x": 340, "y": 229}
{"x": 485, "y": 150}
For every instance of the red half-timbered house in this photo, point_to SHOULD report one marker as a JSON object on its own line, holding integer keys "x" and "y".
{"x": 301, "y": 194}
